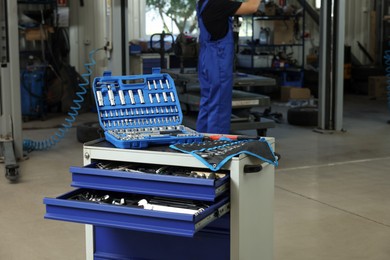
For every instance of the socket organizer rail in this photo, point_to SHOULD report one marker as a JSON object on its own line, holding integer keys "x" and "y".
{"x": 138, "y": 110}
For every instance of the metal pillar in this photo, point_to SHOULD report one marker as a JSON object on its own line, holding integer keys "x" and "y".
{"x": 10, "y": 105}
{"x": 331, "y": 84}
{"x": 119, "y": 60}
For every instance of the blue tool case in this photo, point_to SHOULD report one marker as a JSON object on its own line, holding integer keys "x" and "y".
{"x": 139, "y": 110}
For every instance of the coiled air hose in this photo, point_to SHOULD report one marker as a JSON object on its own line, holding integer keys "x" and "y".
{"x": 31, "y": 145}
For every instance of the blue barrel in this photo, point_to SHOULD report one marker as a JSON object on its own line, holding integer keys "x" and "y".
{"x": 32, "y": 92}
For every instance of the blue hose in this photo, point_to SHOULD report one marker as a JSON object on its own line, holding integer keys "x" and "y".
{"x": 387, "y": 64}
{"x": 31, "y": 145}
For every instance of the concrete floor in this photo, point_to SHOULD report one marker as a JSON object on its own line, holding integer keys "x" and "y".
{"x": 332, "y": 191}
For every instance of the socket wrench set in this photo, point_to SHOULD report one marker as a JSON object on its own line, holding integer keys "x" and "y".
{"x": 138, "y": 110}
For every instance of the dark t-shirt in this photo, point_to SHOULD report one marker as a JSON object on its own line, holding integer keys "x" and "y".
{"x": 216, "y": 14}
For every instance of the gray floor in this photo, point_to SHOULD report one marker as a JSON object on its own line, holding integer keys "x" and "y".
{"x": 332, "y": 191}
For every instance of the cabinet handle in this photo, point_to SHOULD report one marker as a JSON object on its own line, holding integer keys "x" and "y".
{"x": 252, "y": 168}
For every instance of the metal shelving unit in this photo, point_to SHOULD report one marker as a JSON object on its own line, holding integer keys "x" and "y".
{"x": 262, "y": 56}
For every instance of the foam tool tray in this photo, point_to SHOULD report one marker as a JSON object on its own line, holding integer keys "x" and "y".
{"x": 139, "y": 110}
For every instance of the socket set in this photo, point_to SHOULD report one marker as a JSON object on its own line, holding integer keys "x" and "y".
{"x": 138, "y": 110}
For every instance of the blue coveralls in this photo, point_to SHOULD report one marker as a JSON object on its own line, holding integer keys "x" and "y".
{"x": 215, "y": 69}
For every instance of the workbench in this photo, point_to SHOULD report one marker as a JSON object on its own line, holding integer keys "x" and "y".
{"x": 243, "y": 102}
{"x": 241, "y": 230}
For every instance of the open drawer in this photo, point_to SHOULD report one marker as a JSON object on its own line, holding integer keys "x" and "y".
{"x": 158, "y": 180}
{"x": 122, "y": 210}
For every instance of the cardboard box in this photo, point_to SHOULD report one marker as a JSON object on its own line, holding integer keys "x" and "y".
{"x": 377, "y": 87}
{"x": 289, "y": 93}
{"x": 37, "y": 34}
{"x": 284, "y": 32}
{"x": 312, "y": 59}
{"x": 270, "y": 9}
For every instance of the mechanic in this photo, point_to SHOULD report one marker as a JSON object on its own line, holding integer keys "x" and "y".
{"x": 215, "y": 64}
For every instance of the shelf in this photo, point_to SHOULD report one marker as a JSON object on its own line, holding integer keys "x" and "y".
{"x": 286, "y": 69}
{"x": 271, "y": 45}
{"x": 276, "y": 17}
{"x": 281, "y": 32}
{"x": 37, "y": 1}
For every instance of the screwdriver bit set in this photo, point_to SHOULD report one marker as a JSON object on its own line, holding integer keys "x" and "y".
{"x": 138, "y": 110}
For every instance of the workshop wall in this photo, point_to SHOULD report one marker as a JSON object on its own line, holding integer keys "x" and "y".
{"x": 358, "y": 19}
{"x": 87, "y": 32}
{"x": 357, "y": 26}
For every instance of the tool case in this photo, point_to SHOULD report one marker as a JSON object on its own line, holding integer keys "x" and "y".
{"x": 139, "y": 110}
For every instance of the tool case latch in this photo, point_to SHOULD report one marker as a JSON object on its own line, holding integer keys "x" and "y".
{"x": 156, "y": 70}
{"x": 107, "y": 73}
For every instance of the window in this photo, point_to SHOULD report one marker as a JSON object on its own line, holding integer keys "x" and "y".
{"x": 171, "y": 16}
{"x": 318, "y": 4}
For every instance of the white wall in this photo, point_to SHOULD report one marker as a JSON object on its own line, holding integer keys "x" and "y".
{"x": 88, "y": 31}
{"x": 357, "y": 26}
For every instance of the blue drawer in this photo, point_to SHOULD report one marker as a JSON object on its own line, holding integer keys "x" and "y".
{"x": 153, "y": 184}
{"x": 211, "y": 243}
{"x": 65, "y": 208}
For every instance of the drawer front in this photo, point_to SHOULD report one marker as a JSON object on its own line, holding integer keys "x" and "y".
{"x": 68, "y": 207}
{"x": 110, "y": 243}
{"x": 166, "y": 185}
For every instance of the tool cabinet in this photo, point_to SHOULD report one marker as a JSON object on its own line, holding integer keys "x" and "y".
{"x": 237, "y": 225}
{"x": 151, "y": 201}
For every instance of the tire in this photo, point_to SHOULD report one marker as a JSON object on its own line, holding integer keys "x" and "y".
{"x": 89, "y": 131}
{"x": 303, "y": 116}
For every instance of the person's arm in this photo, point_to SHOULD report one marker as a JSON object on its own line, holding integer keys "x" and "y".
{"x": 248, "y": 7}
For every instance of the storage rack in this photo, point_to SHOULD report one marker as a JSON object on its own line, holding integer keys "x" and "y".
{"x": 34, "y": 54}
{"x": 291, "y": 75}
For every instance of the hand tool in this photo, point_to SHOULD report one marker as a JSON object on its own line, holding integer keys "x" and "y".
{"x": 165, "y": 97}
{"x": 158, "y": 98}
{"x": 172, "y": 96}
{"x": 161, "y": 84}
{"x": 167, "y": 83}
{"x": 155, "y": 85}
{"x": 131, "y": 95}
{"x": 100, "y": 98}
{"x": 122, "y": 97}
{"x": 144, "y": 203}
{"x": 141, "y": 96}
{"x": 111, "y": 96}
{"x": 231, "y": 137}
